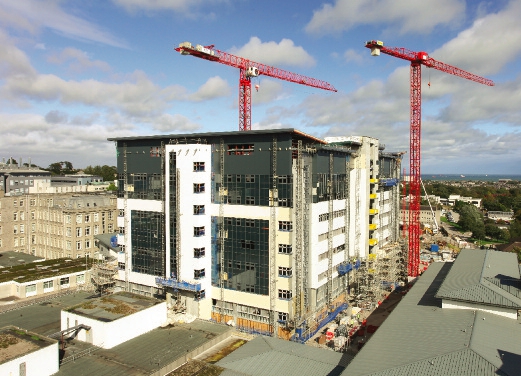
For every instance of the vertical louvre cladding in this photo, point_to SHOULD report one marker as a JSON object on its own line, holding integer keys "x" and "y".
{"x": 251, "y": 189}
{"x": 246, "y": 259}
{"x": 147, "y": 253}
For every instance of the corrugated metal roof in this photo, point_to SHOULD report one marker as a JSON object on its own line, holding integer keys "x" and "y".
{"x": 421, "y": 338}
{"x": 483, "y": 277}
{"x": 266, "y": 356}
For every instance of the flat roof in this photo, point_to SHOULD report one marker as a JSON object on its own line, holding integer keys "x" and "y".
{"x": 217, "y": 134}
{"x": 12, "y": 258}
{"x": 15, "y": 342}
{"x": 41, "y": 268}
{"x": 112, "y": 307}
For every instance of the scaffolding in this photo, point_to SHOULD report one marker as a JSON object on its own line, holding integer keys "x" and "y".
{"x": 103, "y": 276}
{"x": 299, "y": 234}
{"x": 273, "y": 239}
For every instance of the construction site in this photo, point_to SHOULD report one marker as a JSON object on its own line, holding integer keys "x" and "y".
{"x": 274, "y": 232}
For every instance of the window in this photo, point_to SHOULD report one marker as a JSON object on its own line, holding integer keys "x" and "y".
{"x": 22, "y": 229}
{"x": 283, "y": 317}
{"x": 285, "y": 179}
{"x": 155, "y": 151}
{"x": 78, "y": 218}
{"x": 247, "y": 244}
{"x": 238, "y": 265}
{"x": 48, "y": 285}
{"x": 240, "y": 149}
{"x": 33, "y": 215}
{"x": 285, "y": 272}
{"x": 15, "y": 229}
{"x": 238, "y": 200}
{"x": 22, "y": 201}
{"x": 285, "y": 294}
{"x": 250, "y": 200}
{"x": 33, "y": 202}
{"x": 96, "y": 217}
{"x": 87, "y": 244}
{"x": 78, "y": 245}
{"x": 87, "y": 218}
{"x": 78, "y": 231}
{"x": 87, "y": 230}
{"x": 121, "y": 266}
{"x": 249, "y": 288}
{"x": 96, "y": 229}
{"x": 15, "y": 216}
{"x": 198, "y": 187}
{"x": 30, "y": 290}
{"x": 250, "y": 178}
{"x": 286, "y": 202}
{"x": 285, "y": 226}
{"x": 199, "y": 273}
{"x": 250, "y": 265}
{"x": 80, "y": 279}
{"x": 64, "y": 282}
{"x": 200, "y": 295}
{"x": 199, "y": 252}
{"x": 198, "y": 209}
{"x": 249, "y": 223}
{"x": 198, "y": 166}
{"x": 199, "y": 231}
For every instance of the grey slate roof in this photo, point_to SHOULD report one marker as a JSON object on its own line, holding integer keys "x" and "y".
{"x": 484, "y": 277}
{"x": 421, "y": 338}
{"x": 266, "y": 356}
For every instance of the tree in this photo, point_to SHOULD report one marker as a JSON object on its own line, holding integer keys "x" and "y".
{"x": 492, "y": 231}
{"x": 471, "y": 219}
{"x": 61, "y": 168}
{"x": 108, "y": 173}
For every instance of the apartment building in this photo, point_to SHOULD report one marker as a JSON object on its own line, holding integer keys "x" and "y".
{"x": 55, "y": 225}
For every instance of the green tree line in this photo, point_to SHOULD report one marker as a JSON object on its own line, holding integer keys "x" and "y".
{"x": 505, "y": 198}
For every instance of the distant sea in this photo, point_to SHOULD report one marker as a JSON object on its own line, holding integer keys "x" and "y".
{"x": 469, "y": 177}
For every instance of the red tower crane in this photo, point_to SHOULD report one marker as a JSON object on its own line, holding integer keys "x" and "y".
{"x": 418, "y": 59}
{"x": 248, "y": 69}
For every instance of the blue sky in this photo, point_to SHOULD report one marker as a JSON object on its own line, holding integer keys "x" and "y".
{"x": 74, "y": 73}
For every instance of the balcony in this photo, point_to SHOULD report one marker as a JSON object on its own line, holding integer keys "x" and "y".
{"x": 373, "y": 226}
{"x": 373, "y": 211}
{"x": 373, "y": 242}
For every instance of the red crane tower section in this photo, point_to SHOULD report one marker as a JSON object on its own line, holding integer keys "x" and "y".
{"x": 248, "y": 69}
{"x": 418, "y": 59}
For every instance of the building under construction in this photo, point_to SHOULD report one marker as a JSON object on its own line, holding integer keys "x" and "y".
{"x": 268, "y": 230}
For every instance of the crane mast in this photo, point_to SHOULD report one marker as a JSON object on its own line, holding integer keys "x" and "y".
{"x": 417, "y": 59}
{"x": 247, "y": 70}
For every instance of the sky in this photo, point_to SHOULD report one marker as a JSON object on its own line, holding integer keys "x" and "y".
{"x": 75, "y": 73}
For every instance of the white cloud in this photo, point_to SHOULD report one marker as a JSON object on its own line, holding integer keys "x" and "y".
{"x": 172, "y": 123}
{"x": 80, "y": 61}
{"x": 488, "y": 45}
{"x": 272, "y": 53}
{"x": 188, "y": 8}
{"x": 215, "y": 87}
{"x": 353, "y": 56}
{"x": 33, "y": 15}
{"x": 405, "y": 16}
